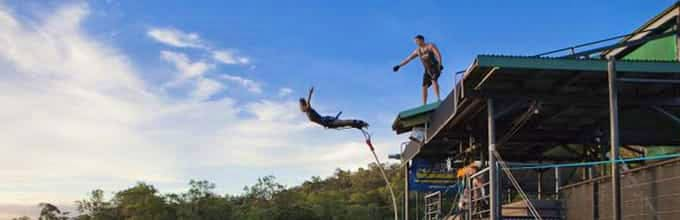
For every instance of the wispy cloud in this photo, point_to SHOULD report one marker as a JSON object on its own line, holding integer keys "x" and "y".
{"x": 285, "y": 92}
{"x": 77, "y": 115}
{"x": 205, "y": 88}
{"x": 250, "y": 85}
{"x": 229, "y": 57}
{"x": 184, "y": 65}
{"x": 82, "y": 102}
{"x": 176, "y": 38}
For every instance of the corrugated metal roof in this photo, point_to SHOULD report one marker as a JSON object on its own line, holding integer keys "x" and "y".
{"x": 418, "y": 110}
{"x": 665, "y": 16}
{"x": 413, "y": 117}
{"x": 524, "y": 62}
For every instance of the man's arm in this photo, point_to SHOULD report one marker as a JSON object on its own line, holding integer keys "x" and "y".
{"x": 309, "y": 97}
{"x": 408, "y": 59}
{"x": 437, "y": 54}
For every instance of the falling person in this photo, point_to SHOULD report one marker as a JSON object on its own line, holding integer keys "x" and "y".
{"x": 328, "y": 121}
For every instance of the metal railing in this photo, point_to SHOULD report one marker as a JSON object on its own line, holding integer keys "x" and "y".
{"x": 433, "y": 206}
{"x": 474, "y": 201}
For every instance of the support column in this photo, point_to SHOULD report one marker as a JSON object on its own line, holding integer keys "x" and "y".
{"x": 540, "y": 184}
{"x": 614, "y": 139}
{"x": 406, "y": 191}
{"x": 494, "y": 200}
{"x": 557, "y": 183}
{"x": 595, "y": 186}
{"x": 677, "y": 35}
{"x": 417, "y": 206}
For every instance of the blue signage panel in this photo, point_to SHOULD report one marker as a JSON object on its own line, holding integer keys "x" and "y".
{"x": 428, "y": 176}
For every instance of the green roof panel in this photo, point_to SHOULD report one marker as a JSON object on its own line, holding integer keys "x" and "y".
{"x": 595, "y": 65}
{"x": 413, "y": 117}
{"x": 660, "y": 49}
{"x": 418, "y": 110}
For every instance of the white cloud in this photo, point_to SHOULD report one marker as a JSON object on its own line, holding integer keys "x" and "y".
{"x": 175, "y": 38}
{"x": 250, "y": 85}
{"x": 285, "y": 92}
{"x": 185, "y": 66}
{"x": 205, "y": 88}
{"x": 74, "y": 110}
{"x": 229, "y": 57}
{"x": 77, "y": 116}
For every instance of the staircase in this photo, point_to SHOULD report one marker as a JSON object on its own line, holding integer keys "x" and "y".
{"x": 548, "y": 209}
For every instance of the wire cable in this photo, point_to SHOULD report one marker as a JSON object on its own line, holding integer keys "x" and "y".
{"x": 532, "y": 209}
{"x": 367, "y": 137}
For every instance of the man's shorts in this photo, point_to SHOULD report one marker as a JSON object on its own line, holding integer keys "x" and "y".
{"x": 430, "y": 76}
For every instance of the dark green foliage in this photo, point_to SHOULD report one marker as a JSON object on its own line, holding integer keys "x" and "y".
{"x": 345, "y": 195}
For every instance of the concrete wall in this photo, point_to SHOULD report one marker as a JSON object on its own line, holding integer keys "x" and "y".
{"x": 650, "y": 192}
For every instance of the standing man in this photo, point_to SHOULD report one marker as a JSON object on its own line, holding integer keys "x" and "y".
{"x": 432, "y": 62}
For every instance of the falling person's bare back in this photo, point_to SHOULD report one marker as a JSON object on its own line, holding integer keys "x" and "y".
{"x": 328, "y": 121}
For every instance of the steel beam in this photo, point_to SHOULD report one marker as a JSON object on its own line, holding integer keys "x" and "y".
{"x": 557, "y": 183}
{"x": 595, "y": 100}
{"x": 619, "y": 45}
{"x": 614, "y": 139}
{"x": 512, "y": 107}
{"x": 656, "y": 81}
{"x": 671, "y": 116}
{"x": 494, "y": 201}
{"x": 486, "y": 77}
{"x": 406, "y": 191}
{"x": 540, "y": 184}
{"x": 677, "y": 35}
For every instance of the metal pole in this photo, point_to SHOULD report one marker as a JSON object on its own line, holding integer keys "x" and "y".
{"x": 406, "y": 191}
{"x": 595, "y": 199}
{"x": 540, "y": 184}
{"x": 417, "y": 205}
{"x": 493, "y": 178}
{"x": 677, "y": 35}
{"x": 614, "y": 140}
{"x": 468, "y": 186}
{"x": 557, "y": 183}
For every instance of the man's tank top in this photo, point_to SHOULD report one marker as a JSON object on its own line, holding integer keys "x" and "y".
{"x": 427, "y": 58}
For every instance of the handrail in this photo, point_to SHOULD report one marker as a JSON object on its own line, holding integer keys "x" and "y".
{"x": 572, "y": 48}
{"x": 480, "y": 172}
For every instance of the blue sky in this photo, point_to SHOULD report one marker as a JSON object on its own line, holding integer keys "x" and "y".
{"x": 102, "y": 94}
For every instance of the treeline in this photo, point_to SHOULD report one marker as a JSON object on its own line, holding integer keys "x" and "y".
{"x": 357, "y": 195}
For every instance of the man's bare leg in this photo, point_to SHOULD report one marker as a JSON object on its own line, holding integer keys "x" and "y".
{"x": 435, "y": 85}
{"x": 341, "y": 123}
{"x": 424, "y": 95}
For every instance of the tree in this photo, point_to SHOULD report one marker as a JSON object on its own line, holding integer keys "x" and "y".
{"x": 264, "y": 190}
{"x": 51, "y": 212}
{"x": 140, "y": 202}
{"x": 354, "y": 195}
{"x": 200, "y": 202}
{"x": 96, "y": 207}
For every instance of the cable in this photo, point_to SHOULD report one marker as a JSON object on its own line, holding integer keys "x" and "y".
{"x": 594, "y": 163}
{"x": 515, "y": 183}
{"x": 367, "y": 137}
{"x": 456, "y": 198}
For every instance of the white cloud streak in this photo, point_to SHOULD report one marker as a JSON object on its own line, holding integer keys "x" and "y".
{"x": 176, "y": 38}
{"x": 77, "y": 116}
{"x": 285, "y": 92}
{"x": 248, "y": 84}
{"x": 205, "y": 88}
{"x": 229, "y": 57}
{"x": 185, "y": 66}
